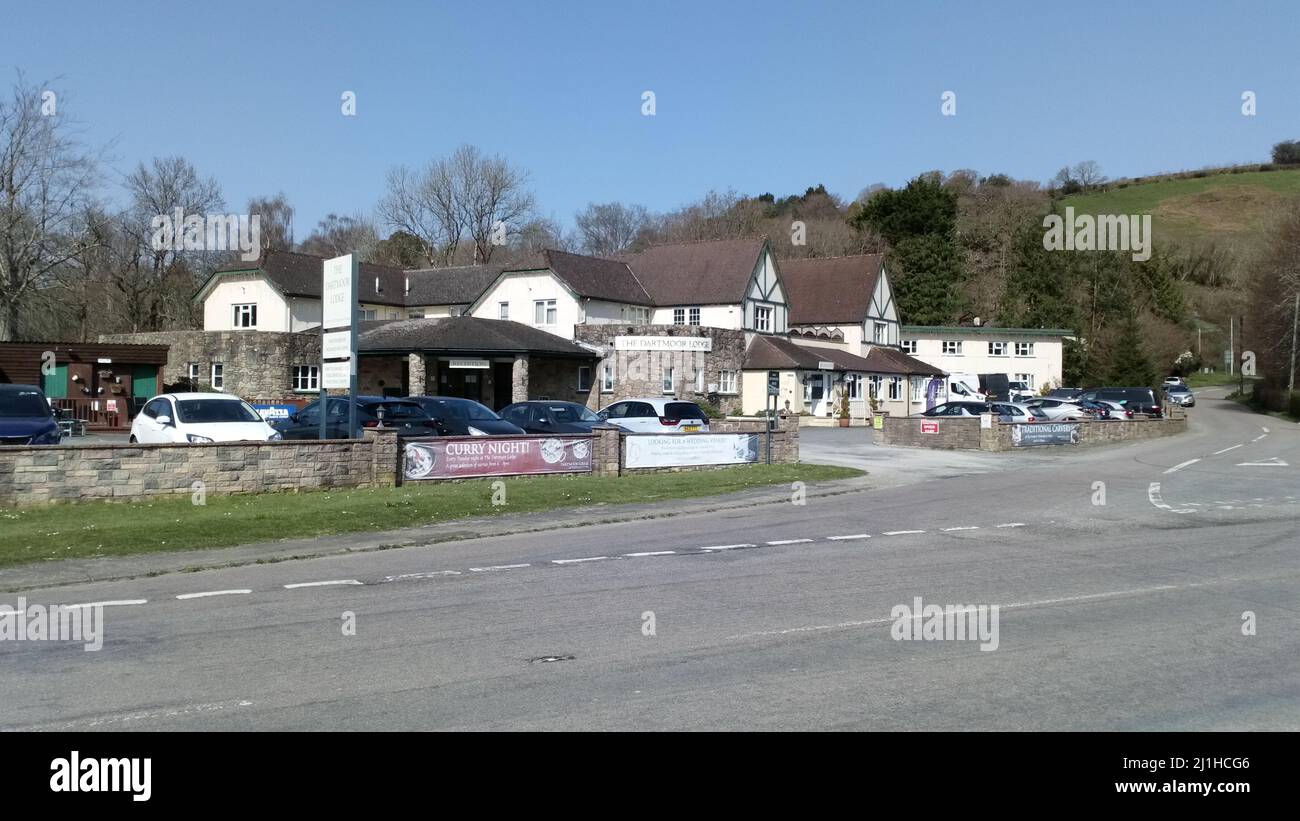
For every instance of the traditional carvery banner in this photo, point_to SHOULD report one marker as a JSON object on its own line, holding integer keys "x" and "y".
{"x": 1045, "y": 433}
{"x": 459, "y": 457}
{"x": 681, "y": 449}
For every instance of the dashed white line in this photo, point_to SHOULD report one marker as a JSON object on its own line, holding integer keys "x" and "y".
{"x": 651, "y": 553}
{"x": 207, "y": 593}
{"x": 114, "y": 603}
{"x": 1182, "y": 465}
{"x": 430, "y": 574}
{"x": 788, "y": 541}
{"x": 579, "y": 561}
{"x": 329, "y": 583}
{"x": 1257, "y": 438}
{"x": 1225, "y": 450}
{"x": 727, "y": 547}
{"x": 847, "y": 538}
{"x": 496, "y": 567}
{"x": 1012, "y": 524}
{"x": 951, "y": 529}
{"x": 901, "y": 532}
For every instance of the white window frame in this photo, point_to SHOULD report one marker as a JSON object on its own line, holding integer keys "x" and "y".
{"x": 873, "y": 385}
{"x": 997, "y": 349}
{"x": 546, "y": 309}
{"x": 951, "y": 347}
{"x": 192, "y": 371}
{"x": 607, "y": 379}
{"x": 918, "y": 388}
{"x": 669, "y": 382}
{"x": 679, "y": 316}
{"x": 217, "y": 376}
{"x": 879, "y": 333}
{"x": 584, "y": 379}
{"x": 244, "y": 315}
{"x": 503, "y": 310}
{"x": 853, "y": 384}
{"x": 909, "y": 346}
{"x": 306, "y": 378}
{"x": 368, "y": 314}
{"x": 763, "y": 316}
{"x": 727, "y": 382}
{"x": 1024, "y": 349}
{"x": 699, "y": 380}
{"x": 1027, "y": 378}
{"x": 895, "y": 388}
{"x": 693, "y": 316}
{"x": 639, "y": 315}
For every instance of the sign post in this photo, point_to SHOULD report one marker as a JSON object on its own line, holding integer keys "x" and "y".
{"x": 773, "y": 401}
{"x": 339, "y": 336}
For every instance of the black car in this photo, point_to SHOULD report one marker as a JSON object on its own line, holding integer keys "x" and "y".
{"x": 453, "y": 416}
{"x": 1064, "y": 393}
{"x": 26, "y": 417}
{"x": 551, "y": 417}
{"x": 1101, "y": 408}
{"x": 1137, "y": 400}
{"x": 957, "y": 409}
{"x": 407, "y": 417}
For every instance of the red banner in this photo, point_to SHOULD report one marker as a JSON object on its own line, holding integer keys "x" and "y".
{"x": 459, "y": 457}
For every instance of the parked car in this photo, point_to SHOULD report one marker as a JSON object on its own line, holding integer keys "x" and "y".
{"x": 1180, "y": 395}
{"x": 537, "y": 416}
{"x": 1138, "y": 400}
{"x": 656, "y": 415}
{"x": 1016, "y": 412}
{"x": 199, "y": 418}
{"x": 1117, "y": 411}
{"x": 453, "y": 416}
{"x": 956, "y": 409}
{"x": 1170, "y": 381}
{"x": 1020, "y": 391}
{"x": 1060, "y": 410}
{"x": 408, "y": 418}
{"x": 1102, "y": 410}
{"x": 1064, "y": 393}
{"x": 26, "y": 417}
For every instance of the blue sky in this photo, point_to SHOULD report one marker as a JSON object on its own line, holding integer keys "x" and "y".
{"x": 757, "y": 96}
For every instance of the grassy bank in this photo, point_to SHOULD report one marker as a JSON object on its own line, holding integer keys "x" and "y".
{"x": 105, "y": 529}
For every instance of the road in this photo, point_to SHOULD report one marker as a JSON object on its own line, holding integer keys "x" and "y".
{"x": 1126, "y": 615}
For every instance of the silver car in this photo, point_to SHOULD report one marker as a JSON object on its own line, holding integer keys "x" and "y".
{"x": 1180, "y": 395}
{"x": 1057, "y": 410}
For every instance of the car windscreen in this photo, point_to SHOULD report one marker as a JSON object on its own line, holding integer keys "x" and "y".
{"x": 397, "y": 410}
{"x": 16, "y": 404}
{"x": 461, "y": 409}
{"x": 684, "y": 410}
{"x": 571, "y": 413}
{"x": 208, "y": 411}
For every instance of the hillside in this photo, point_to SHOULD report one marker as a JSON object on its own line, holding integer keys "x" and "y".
{"x": 1230, "y": 211}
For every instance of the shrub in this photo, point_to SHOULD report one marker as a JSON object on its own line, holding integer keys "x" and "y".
{"x": 1287, "y": 152}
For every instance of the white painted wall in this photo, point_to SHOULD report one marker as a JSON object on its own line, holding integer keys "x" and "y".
{"x": 521, "y": 291}
{"x": 1044, "y": 366}
{"x": 601, "y": 312}
{"x": 711, "y": 316}
{"x": 218, "y": 307}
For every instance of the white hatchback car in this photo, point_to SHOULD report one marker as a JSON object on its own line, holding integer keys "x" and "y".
{"x": 661, "y": 415}
{"x": 198, "y": 418}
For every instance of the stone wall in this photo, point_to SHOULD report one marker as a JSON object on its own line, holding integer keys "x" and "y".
{"x": 641, "y": 373}
{"x": 965, "y": 433}
{"x": 257, "y": 365}
{"x": 31, "y": 476}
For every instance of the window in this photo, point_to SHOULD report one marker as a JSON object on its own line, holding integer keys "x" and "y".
{"x": 641, "y": 316}
{"x": 699, "y": 380}
{"x": 306, "y": 377}
{"x": 909, "y": 346}
{"x": 874, "y": 381}
{"x": 503, "y": 310}
{"x": 952, "y": 346}
{"x": 246, "y": 316}
{"x": 762, "y": 318}
{"x": 880, "y": 333}
{"x": 607, "y": 379}
{"x": 679, "y": 316}
{"x": 997, "y": 349}
{"x": 853, "y": 384}
{"x": 218, "y": 380}
{"x": 669, "y": 381}
{"x": 544, "y": 312}
{"x": 415, "y": 314}
{"x": 1028, "y": 379}
{"x": 918, "y": 388}
{"x": 193, "y": 372}
{"x": 369, "y": 315}
{"x": 584, "y": 379}
{"x": 695, "y": 316}
{"x": 895, "y": 387}
{"x": 727, "y": 382}
{"x": 1024, "y": 349}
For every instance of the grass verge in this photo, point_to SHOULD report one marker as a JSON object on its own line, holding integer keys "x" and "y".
{"x": 96, "y": 529}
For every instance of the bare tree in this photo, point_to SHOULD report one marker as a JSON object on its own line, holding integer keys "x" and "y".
{"x": 46, "y": 185}
{"x": 1088, "y": 174}
{"x": 492, "y": 197}
{"x": 610, "y": 228}
{"x": 337, "y": 235}
{"x": 422, "y": 204}
{"x": 276, "y": 223}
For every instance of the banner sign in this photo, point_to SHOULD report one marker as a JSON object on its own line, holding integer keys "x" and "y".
{"x": 460, "y": 457}
{"x": 682, "y": 449}
{"x": 1045, "y": 433}
{"x": 269, "y": 412}
{"x": 663, "y": 343}
{"x": 929, "y": 427}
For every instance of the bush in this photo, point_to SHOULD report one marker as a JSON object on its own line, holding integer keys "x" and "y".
{"x": 1287, "y": 152}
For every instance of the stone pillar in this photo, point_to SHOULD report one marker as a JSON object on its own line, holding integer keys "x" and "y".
{"x": 415, "y": 375}
{"x": 385, "y": 457}
{"x": 519, "y": 378}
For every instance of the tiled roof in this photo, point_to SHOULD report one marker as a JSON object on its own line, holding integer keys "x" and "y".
{"x": 712, "y": 272}
{"x": 829, "y": 291}
{"x": 464, "y": 334}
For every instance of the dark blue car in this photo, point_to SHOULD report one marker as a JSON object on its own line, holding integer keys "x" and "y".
{"x": 26, "y": 417}
{"x": 407, "y": 418}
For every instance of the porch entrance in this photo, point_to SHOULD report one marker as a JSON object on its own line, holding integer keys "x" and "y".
{"x": 817, "y": 392}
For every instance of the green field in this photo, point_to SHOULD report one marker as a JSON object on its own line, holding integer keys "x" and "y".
{"x": 1232, "y": 211}
{"x": 97, "y": 529}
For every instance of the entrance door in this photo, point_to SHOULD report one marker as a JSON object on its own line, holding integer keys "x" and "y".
{"x": 503, "y": 377}
{"x": 817, "y": 393}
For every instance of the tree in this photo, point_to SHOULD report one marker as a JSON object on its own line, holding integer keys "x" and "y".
{"x": 1287, "y": 152}
{"x": 923, "y": 207}
{"x": 926, "y": 272}
{"x": 400, "y": 250}
{"x": 1129, "y": 365}
{"x": 610, "y": 228}
{"x": 276, "y": 225}
{"x": 338, "y": 235}
{"x": 47, "y": 181}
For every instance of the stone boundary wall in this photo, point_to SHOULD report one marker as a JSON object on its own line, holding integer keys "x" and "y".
{"x": 965, "y": 433}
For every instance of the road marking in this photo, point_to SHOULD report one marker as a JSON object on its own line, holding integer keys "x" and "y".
{"x": 847, "y": 538}
{"x": 123, "y": 718}
{"x": 1225, "y": 450}
{"x": 789, "y": 541}
{"x": 497, "y": 567}
{"x": 1182, "y": 465}
{"x": 208, "y": 593}
{"x": 1012, "y": 524}
{"x": 1261, "y": 427}
{"x": 320, "y": 584}
{"x": 652, "y": 553}
{"x": 426, "y": 575}
{"x": 578, "y": 561}
{"x": 1154, "y": 497}
{"x": 1267, "y": 463}
{"x": 115, "y": 603}
{"x": 951, "y": 529}
{"x": 727, "y": 547}
{"x": 901, "y": 532}
{"x": 1257, "y": 438}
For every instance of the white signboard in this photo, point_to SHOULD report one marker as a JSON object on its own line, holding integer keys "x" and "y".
{"x": 338, "y": 292}
{"x": 675, "y": 450}
{"x": 663, "y": 343}
{"x": 469, "y": 363}
{"x": 336, "y": 345}
{"x": 826, "y": 366}
{"x": 336, "y": 375}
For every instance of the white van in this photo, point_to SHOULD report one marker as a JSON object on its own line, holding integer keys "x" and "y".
{"x": 963, "y": 387}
